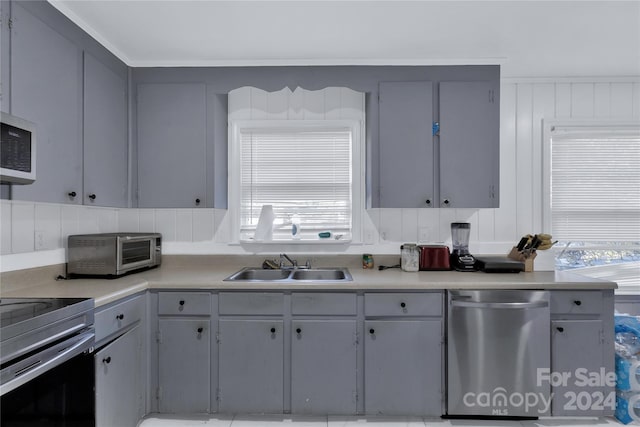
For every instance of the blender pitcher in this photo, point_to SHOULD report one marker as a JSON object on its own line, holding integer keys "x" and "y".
{"x": 461, "y": 259}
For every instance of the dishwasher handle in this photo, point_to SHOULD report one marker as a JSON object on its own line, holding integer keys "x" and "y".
{"x": 500, "y": 305}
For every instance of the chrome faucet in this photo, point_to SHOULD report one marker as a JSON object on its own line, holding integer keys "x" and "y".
{"x": 284, "y": 257}
{"x": 293, "y": 262}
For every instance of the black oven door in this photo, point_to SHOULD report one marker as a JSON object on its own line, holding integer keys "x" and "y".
{"x": 54, "y": 387}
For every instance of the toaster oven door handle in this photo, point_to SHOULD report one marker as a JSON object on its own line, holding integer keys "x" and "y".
{"x": 13, "y": 376}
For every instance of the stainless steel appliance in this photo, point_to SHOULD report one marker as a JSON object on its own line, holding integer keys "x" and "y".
{"x": 18, "y": 150}
{"x": 498, "y": 341}
{"x": 113, "y": 254}
{"x": 47, "y": 374}
{"x": 461, "y": 259}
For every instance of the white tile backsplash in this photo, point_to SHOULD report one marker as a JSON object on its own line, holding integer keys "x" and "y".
{"x": 107, "y": 220}
{"x": 165, "y": 224}
{"x": 22, "y": 227}
{"x": 88, "y": 220}
{"x": 203, "y": 223}
{"x": 409, "y": 225}
{"x": 48, "y": 228}
{"x": 69, "y": 223}
{"x": 129, "y": 220}
{"x": 5, "y": 227}
{"x": 184, "y": 225}
{"x": 146, "y": 220}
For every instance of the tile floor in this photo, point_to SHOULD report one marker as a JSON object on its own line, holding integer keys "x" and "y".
{"x": 156, "y": 420}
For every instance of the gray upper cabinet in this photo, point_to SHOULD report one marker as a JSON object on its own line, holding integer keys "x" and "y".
{"x": 459, "y": 166}
{"x": 105, "y": 135}
{"x": 469, "y": 145}
{"x": 406, "y": 144}
{"x": 172, "y": 157}
{"x": 46, "y": 71}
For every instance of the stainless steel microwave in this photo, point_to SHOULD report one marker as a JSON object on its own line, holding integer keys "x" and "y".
{"x": 113, "y": 254}
{"x": 18, "y": 150}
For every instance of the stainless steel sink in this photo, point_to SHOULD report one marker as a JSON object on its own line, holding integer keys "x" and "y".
{"x": 251, "y": 274}
{"x": 255, "y": 274}
{"x": 321, "y": 274}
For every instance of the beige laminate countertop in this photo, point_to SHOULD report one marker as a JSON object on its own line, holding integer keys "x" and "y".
{"x": 208, "y": 272}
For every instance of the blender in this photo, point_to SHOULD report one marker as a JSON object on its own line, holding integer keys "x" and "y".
{"x": 461, "y": 259}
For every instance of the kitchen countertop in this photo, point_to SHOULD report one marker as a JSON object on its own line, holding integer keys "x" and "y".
{"x": 208, "y": 272}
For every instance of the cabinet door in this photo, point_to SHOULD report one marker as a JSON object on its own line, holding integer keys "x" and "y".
{"x": 323, "y": 367}
{"x": 577, "y": 350}
{"x": 119, "y": 384}
{"x": 105, "y": 135}
{"x": 46, "y": 89}
{"x": 403, "y": 367}
{"x": 184, "y": 365}
{"x": 171, "y": 145}
{"x": 251, "y": 366}
{"x": 469, "y": 145}
{"x": 406, "y": 144}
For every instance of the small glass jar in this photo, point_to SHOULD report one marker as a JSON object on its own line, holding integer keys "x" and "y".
{"x": 410, "y": 257}
{"x": 367, "y": 261}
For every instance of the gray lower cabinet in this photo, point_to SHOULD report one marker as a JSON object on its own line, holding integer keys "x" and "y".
{"x": 403, "y": 367}
{"x": 184, "y": 362}
{"x": 323, "y": 366}
{"x": 119, "y": 368}
{"x": 251, "y": 366}
{"x": 582, "y": 353}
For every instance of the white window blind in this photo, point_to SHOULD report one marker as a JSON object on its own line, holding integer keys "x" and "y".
{"x": 595, "y": 184}
{"x": 298, "y": 170}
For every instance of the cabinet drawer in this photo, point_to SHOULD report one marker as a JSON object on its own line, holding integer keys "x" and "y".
{"x": 403, "y": 304}
{"x": 184, "y": 303}
{"x": 119, "y": 316}
{"x": 323, "y": 303}
{"x": 267, "y": 303}
{"x": 576, "y": 302}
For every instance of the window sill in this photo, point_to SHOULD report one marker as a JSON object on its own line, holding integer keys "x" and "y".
{"x": 275, "y": 242}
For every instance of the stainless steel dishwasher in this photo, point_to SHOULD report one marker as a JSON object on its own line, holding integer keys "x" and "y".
{"x": 497, "y": 343}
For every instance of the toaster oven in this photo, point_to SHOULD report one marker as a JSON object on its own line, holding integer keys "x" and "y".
{"x": 113, "y": 254}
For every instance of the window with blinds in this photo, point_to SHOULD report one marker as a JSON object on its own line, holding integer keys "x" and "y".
{"x": 595, "y": 184}
{"x": 299, "y": 170}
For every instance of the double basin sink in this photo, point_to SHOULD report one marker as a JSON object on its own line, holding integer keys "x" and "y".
{"x": 251, "y": 274}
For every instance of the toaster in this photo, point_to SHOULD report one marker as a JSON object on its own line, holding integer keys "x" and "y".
{"x": 434, "y": 257}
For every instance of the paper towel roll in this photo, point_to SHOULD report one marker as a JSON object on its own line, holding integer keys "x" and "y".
{"x": 264, "y": 229}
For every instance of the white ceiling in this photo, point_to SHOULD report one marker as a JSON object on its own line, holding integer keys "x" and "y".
{"x": 528, "y": 38}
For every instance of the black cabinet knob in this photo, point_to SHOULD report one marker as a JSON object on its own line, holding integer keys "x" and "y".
{"x": 298, "y": 330}
{"x": 107, "y": 360}
{"x": 577, "y": 302}
{"x": 372, "y": 331}
{"x": 403, "y": 305}
{"x": 92, "y": 196}
{"x": 72, "y": 194}
{"x": 120, "y": 316}
{"x": 428, "y": 201}
{"x": 181, "y": 302}
{"x": 446, "y": 202}
{"x": 197, "y": 202}
{"x": 273, "y": 330}
{"x": 560, "y": 329}
{"x": 200, "y": 329}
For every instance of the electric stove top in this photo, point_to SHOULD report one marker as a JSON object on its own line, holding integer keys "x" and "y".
{"x": 29, "y": 323}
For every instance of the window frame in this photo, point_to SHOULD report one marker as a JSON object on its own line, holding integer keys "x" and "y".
{"x": 358, "y": 152}
{"x": 578, "y": 126}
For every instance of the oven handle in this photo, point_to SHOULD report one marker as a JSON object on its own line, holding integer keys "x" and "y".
{"x": 47, "y": 360}
{"x": 520, "y": 305}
